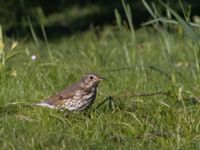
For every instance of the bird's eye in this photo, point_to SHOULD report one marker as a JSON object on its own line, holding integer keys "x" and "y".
{"x": 91, "y": 77}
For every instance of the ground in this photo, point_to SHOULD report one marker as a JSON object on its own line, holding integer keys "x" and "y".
{"x": 147, "y": 60}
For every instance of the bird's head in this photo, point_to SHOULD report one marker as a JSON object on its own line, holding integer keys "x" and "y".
{"x": 92, "y": 80}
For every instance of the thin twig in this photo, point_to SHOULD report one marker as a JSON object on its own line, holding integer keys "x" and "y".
{"x": 149, "y": 94}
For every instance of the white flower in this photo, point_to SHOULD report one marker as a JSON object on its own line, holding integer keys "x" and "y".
{"x": 33, "y": 57}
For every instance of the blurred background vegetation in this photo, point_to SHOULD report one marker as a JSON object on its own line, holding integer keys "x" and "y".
{"x": 64, "y": 17}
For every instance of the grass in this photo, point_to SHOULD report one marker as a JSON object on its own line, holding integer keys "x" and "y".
{"x": 144, "y": 61}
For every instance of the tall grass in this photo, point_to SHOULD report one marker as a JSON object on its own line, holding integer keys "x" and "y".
{"x": 178, "y": 22}
{"x": 35, "y": 38}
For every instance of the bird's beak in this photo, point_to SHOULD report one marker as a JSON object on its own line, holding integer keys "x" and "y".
{"x": 101, "y": 79}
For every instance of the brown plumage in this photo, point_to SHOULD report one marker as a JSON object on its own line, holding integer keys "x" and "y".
{"x": 78, "y": 96}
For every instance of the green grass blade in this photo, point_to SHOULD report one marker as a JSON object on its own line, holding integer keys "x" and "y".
{"x": 32, "y": 31}
{"x": 188, "y": 29}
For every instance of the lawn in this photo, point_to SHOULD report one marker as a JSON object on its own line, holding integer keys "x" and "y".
{"x": 124, "y": 115}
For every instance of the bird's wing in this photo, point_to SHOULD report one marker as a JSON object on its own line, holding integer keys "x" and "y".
{"x": 64, "y": 95}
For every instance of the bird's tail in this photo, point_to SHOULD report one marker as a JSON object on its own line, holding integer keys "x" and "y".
{"x": 43, "y": 104}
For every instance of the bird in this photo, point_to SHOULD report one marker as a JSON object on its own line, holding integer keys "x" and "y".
{"x": 79, "y": 96}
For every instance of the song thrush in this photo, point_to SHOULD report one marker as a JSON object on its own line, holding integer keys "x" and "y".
{"x": 78, "y": 96}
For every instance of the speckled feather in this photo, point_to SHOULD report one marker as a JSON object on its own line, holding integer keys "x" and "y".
{"x": 78, "y": 96}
